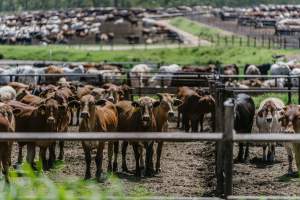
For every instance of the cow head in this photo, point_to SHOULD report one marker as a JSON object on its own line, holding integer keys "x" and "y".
{"x": 88, "y": 105}
{"x": 167, "y": 103}
{"x": 290, "y": 119}
{"x": 268, "y": 113}
{"x": 145, "y": 107}
{"x": 49, "y": 109}
{"x": 7, "y": 120}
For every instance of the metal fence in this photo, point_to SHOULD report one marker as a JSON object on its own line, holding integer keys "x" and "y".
{"x": 224, "y": 136}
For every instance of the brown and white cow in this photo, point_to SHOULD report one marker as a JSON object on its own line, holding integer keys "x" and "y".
{"x": 96, "y": 118}
{"x": 290, "y": 122}
{"x": 267, "y": 121}
{"x": 7, "y": 124}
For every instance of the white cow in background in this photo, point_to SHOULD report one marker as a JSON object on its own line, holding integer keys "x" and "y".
{"x": 280, "y": 68}
{"x": 164, "y": 76}
{"x": 139, "y": 75}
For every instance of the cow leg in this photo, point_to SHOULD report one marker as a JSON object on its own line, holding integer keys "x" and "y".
{"x": 124, "y": 150}
{"x": 72, "y": 118}
{"x": 178, "y": 119}
{"x": 271, "y": 153}
{"x": 77, "y": 116}
{"x": 185, "y": 122}
{"x": 241, "y": 152}
{"x": 99, "y": 160}
{"x": 195, "y": 125}
{"x": 116, "y": 152}
{"x": 201, "y": 122}
{"x": 264, "y": 153}
{"x": 149, "y": 159}
{"x": 43, "y": 157}
{"x": 88, "y": 160}
{"x": 20, "y": 154}
{"x": 137, "y": 159}
{"x": 51, "y": 155}
{"x": 246, "y": 153}
{"x": 61, "y": 150}
{"x": 290, "y": 158}
{"x": 31, "y": 154}
{"x": 110, "y": 155}
{"x": 158, "y": 156}
{"x": 5, "y": 166}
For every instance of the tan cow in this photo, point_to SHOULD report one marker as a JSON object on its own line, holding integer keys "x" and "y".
{"x": 290, "y": 122}
{"x": 163, "y": 113}
{"x": 7, "y": 124}
{"x": 97, "y": 118}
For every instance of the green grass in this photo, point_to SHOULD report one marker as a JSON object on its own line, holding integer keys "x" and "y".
{"x": 196, "y": 28}
{"x": 284, "y": 97}
{"x": 193, "y": 56}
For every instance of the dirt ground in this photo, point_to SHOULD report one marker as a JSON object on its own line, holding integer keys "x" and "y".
{"x": 188, "y": 170}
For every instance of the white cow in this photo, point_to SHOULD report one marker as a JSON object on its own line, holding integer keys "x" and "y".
{"x": 139, "y": 75}
{"x": 164, "y": 75}
{"x": 267, "y": 121}
{"x": 295, "y": 81}
{"x": 7, "y": 93}
{"x": 280, "y": 68}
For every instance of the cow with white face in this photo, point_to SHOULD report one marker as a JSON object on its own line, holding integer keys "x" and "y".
{"x": 267, "y": 121}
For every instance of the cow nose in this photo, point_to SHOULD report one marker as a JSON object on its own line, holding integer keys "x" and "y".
{"x": 51, "y": 120}
{"x": 85, "y": 115}
{"x": 146, "y": 118}
{"x": 171, "y": 115}
{"x": 111, "y": 99}
{"x": 269, "y": 120}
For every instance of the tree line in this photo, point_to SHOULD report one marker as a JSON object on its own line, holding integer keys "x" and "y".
{"x": 20, "y": 5}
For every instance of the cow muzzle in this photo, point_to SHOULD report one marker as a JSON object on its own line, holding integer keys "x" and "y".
{"x": 171, "y": 115}
{"x": 85, "y": 115}
{"x": 111, "y": 99}
{"x": 269, "y": 120}
{"x": 51, "y": 120}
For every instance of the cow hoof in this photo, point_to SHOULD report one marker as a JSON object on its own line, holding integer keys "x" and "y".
{"x": 115, "y": 167}
{"x": 87, "y": 176}
{"x": 158, "y": 170}
{"x": 149, "y": 172}
{"x": 109, "y": 168}
{"x": 60, "y": 157}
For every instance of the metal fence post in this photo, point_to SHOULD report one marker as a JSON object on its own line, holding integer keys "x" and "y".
{"x": 228, "y": 143}
{"x": 289, "y": 88}
{"x": 219, "y": 144}
{"x": 299, "y": 90}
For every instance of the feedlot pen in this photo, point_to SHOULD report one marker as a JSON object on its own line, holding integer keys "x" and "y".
{"x": 198, "y": 171}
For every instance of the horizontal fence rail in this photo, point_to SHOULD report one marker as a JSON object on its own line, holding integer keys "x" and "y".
{"x": 131, "y": 136}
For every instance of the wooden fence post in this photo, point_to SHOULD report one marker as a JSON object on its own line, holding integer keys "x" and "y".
{"x": 226, "y": 40}
{"x": 254, "y": 42}
{"x": 241, "y": 41}
{"x": 228, "y": 144}
{"x": 232, "y": 40}
{"x": 218, "y": 39}
{"x": 263, "y": 41}
{"x": 269, "y": 43}
{"x": 299, "y": 42}
{"x": 284, "y": 43}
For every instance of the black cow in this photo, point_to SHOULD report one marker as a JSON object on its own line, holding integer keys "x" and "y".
{"x": 244, "y": 111}
{"x": 264, "y": 68}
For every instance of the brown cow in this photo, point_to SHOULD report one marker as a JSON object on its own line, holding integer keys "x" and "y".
{"x": 97, "y": 119}
{"x": 138, "y": 117}
{"x": 163, "y": 113}
{"x": 194, "y": 108}
{"x": 7, "y": 124}
{"x": 36, "y": 119}
{"x": 290, "y": 122}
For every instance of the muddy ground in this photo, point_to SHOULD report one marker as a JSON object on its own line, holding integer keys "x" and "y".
{"x": 188, "y": 170}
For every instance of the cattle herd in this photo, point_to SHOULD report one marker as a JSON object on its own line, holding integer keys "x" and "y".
{"x": 86, "y": 26}
{"x": 52, "y": 103}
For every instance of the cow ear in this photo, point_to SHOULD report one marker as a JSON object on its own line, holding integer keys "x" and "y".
{"x": 156, "y": 104}
{"x": 101, "y": 102}
{"x": 260, "y": 113}
{"x": 74, "y": 103}
{"x": 135, "y": 104}
{"x": 160, "y": 96}
{"x": 177, "y": 102}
